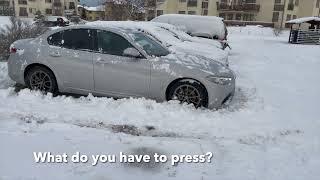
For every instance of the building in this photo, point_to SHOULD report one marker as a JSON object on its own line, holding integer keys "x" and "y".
{"x": 276, "y": 12}
{"x": 30, "y": 8}
{"x": 91, "y": 13}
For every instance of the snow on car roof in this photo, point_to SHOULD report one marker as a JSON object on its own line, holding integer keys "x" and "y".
{"x": 194, "y": 24}
{"x": 303, "y": 20}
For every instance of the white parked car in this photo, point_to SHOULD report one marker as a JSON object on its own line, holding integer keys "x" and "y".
{"x": 186, "y": 37}
{"x": 170, "y": 40}
{"x": 211, "y": 27}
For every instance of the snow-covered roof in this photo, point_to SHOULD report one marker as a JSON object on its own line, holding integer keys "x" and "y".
{"x": 95, "y": 9}
{"x": 303, "y": 20}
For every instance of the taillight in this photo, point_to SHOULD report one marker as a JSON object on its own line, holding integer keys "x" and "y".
{"x": 13, "y": 50}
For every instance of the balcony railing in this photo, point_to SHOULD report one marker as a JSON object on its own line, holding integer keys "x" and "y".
{"x": 238, "y": 7}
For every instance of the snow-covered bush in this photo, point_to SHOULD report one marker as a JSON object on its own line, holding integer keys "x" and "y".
{"x": 15, "y": 30}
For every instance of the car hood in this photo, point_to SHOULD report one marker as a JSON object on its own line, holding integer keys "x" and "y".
{"x": 198, "y": 62}
{"x": 202, "y": 50}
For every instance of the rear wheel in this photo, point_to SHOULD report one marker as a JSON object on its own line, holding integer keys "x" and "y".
{"x": 41, "y": 78}
{"x": 190, "y": 93}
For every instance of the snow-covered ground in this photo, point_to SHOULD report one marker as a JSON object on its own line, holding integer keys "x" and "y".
{"x": 269, "y": 131}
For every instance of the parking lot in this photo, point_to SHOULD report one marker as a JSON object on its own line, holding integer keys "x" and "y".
{"x": 269, "y": 131}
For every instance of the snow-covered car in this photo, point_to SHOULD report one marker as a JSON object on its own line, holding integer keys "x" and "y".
{"x": 117, "y": 62}
{"x": 211, "y": 27}
{"x": 186, "y": 37}
{"x": 171, "y": 40}
{"x": 51, "y": 21}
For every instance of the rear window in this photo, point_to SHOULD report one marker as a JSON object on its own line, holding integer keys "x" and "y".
{"x": 55, "y": 39}
{"x": 77, "y": 39}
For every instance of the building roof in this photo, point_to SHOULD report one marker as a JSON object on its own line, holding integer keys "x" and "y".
{"x": 311, "y": 20}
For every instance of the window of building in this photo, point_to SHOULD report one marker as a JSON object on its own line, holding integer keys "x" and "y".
{"x": 192, "y": 3}
{"x": 230, "y": 16}
{"x": 48, "y": 11}
{"x": 111, "y": 43}
{"x": 275, "y": 16}
{"x": 181, "y": 12}
{"x": 182, "y": 1}
{"x": 222, "y": 15}
{"x": 238, "y": 17}
{"x": 48, "y": 1}
{"x": 277, "y": 1}
{"x": 23, "y": 2}
{"x": 159, "y": 12}
{"x": 23, "y": 11}
{"x": 318, "y": 4}
{"x": 288, "y": 17}
{"x": 205, "y": 12}
{"x": 296, "y": 3}
{"x": 72, "y": 5}
{"x": 294, "y": 16}
{"x": 191, "y": 12}
{"x": 205, "y": 5}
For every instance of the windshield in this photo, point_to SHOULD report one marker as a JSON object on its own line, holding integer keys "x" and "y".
{"x": 150, "y": 46}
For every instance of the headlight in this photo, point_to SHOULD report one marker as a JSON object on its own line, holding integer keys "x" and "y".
{"x": 220, "y": 80}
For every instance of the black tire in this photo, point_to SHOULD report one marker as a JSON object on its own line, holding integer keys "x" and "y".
{"x": 188, "y": 86}
{"x": 41, "y": 78}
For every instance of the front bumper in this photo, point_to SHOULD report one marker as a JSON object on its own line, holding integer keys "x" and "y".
{"x": 219, "y": 95}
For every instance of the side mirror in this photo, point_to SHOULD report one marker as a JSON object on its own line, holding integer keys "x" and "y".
{"x": 131, "y": 52}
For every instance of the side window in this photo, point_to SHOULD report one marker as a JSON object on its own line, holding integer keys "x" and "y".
{"x": 55, "y": 39}
{"x": 111, "y": 43}
{"x": 78, "y": 39}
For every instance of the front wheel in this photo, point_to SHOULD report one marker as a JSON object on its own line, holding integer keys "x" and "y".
{"x": 41, "y": 78}
{"x": 190, "y": 93}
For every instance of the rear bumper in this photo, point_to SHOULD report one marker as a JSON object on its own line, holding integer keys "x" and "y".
{"x": 16, "y": 70}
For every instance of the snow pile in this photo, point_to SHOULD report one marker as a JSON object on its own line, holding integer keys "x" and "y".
{"x": 5, "y": 81}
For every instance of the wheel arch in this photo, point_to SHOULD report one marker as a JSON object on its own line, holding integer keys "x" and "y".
{"x": 30, "y": 66}
{"x": 183, "y": 79}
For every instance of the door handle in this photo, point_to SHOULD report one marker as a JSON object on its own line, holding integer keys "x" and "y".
{"x": 55, "y": 54}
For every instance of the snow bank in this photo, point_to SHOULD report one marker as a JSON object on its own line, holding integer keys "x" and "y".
{"x": 5, "y": 81}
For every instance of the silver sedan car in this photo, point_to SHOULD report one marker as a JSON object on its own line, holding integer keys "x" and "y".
{"x": 120, "y": 63}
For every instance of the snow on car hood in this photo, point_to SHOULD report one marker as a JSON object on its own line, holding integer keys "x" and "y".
{"x": 203, "y": 50}
{"x": 197, "y": 62}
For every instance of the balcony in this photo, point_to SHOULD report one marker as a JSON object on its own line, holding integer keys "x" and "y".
{"x": 238, "y": 7}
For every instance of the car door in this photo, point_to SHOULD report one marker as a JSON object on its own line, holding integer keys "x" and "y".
{"x": 115, "y": 74}
{"x": 71, "y": 55}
